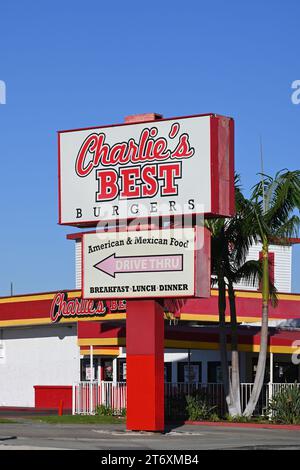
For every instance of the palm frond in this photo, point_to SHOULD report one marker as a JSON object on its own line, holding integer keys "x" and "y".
{"x": 288, "y": 229}
{"x": 250, "y": 272}
{"x": 284, "y": 197}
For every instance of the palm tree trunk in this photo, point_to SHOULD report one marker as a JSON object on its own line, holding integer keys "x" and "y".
{"x": 235, "y": 366}
{"x": 264, "y": 332}
{"x": 223, "y": 346}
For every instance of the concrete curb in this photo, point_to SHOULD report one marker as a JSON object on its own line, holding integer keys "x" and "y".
{"x": 291, "y": 427}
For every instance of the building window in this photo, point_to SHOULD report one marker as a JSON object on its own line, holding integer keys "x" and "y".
{"x": 86, "y": 374}
{"x": 190, "y": 374}
{"x": 285, "y": 372}
{"x": 267, "y": 370}
{"x": 107, "y": 370}
{"x": 121, "y": 370}
{"x": 168, "y": 371}
{"x": 214, "y": 372}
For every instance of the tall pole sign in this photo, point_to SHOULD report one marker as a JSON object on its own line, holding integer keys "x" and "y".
{"x": 162, "y": 168}
{"x": 149, "y": 169}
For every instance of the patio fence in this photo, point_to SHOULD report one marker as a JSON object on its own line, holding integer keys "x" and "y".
{"x": 88, "y": 396}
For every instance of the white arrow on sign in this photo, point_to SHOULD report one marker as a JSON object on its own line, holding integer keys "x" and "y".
{"x": 113, "y": 264}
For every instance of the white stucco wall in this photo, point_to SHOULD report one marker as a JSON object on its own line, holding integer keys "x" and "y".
{"x": 46, "y": 355}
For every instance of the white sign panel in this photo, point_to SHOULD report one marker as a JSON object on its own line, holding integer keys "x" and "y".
{"x": 149, "y": 264}
{"x": 158, "y": 168}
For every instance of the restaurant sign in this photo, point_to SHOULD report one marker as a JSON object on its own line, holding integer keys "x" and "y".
{"x": 166, "y": 167}
{"x": 156, "y": 263}
{"x": 78, "y": 308}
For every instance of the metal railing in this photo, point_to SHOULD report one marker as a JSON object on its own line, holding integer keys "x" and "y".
{"x": 262, "y": 403}
{"x": 87, "y": 396}
{"x": 175, "y": 393}
{"x": 277, "y": 387}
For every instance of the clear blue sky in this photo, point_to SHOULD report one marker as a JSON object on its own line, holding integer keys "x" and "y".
{"x": 69, "y": 64}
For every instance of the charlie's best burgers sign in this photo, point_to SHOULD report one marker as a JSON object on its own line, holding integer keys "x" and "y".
{"x": 165, "y": 168}
{"x": 160, "y": 168}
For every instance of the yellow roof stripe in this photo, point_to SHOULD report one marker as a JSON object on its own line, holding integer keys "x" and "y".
{"x": 33, "y": 297}
{"x": 47, "y": 321}
{"x": 101, "y": 341}
{"x": 100, "y": 351}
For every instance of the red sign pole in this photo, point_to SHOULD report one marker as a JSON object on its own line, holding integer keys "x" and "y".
{"x": 144, "y": 354}
{"x": 145, "y": 365}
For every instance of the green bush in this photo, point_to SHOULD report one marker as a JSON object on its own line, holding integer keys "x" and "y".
{"x": 103, "y": 410}
{"x": 285, "y": 405}
{"x": 214, "y": 417}
{"x": 198, "y": 409}
{"x": 238, "y": 419}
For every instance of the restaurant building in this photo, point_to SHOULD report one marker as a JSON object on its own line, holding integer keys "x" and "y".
{"x": 50, "y": 340}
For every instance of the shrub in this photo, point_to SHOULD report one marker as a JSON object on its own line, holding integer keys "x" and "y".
{"x": 238, "y": 419}
{"x": 214, "y": 417}
{"x": 198, "y": 409}
{"x": 103, "y": 410}
{"x": 284, "y": 407}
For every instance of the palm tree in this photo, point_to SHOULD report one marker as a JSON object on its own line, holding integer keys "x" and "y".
{"x": 219, "y": 257}
{"x": 230, "y": 246}
{"x": 231, "y": 240}
{"x": 272, "y": 217}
